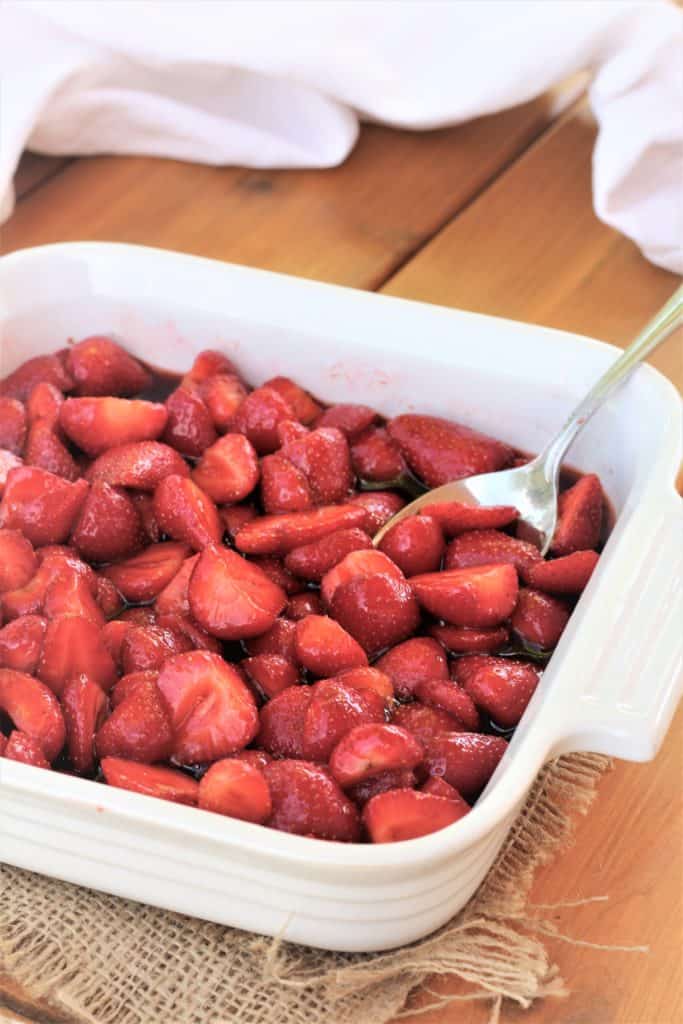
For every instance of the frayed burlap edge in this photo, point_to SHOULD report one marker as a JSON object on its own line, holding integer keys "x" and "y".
{"x": 104, "y": 960}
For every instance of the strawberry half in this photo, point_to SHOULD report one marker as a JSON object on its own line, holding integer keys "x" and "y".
{"x": 151, "y": 780}
{"x": 143, "y": 576}
{"x": 399, "y": 778}
{"x": 449, "y": 697}
{"x": 323, "y": 457}
{"x": 455, "y": 518}
{"x": 482, "y": 596}
{"x": 539, "y": 619}
{"x": 45, "y": 450}
{"x": 70, "y": 592}
{"x": 415, "y": 545}
{"x": 407, "y": 814}
{"x": 138, "y": 729}
{"x": 96, "y": 424}
{"x": 312, "y": 561}
{"x": 303, "y": 604}
{"x": 425, "y": 722}
{"x": 490, "y": 547}
{"x": 258, "y": 417}
{"x": 360, "y": 563}
{"x": 74, "y": 646}
{"x": 223, "y": 394}
{"x": 281, "y": 726}
{"x": 284, "y": 488}
{"x": 334, "y": 709}
{"x": 12, "y": 425}
{"x": 439, "y": 787}
{"x": 207, "y": 364}
{"x": 325, "y": 648}
{"x": 44, "y": 403}
{"x": 18, "y": 563}
{"x": 25, "y": 749}
{"x": 378, "y": 611}
{"x": 228, "y": 470}
{"x": 279, "y": 639}
{"x": 368, "y": 679}
{"x": 278, "y": 535}
{"x": 462, "y": 640}
{"x": 43, "y": 506}
{"x": 33, "y": 709}
{"x": 230, "y": 597}
{"x": 566, "y": 575}
{"x": 213, "y": 712}
{"x": 21, "y": 643}
{"x": 190, "y": 428}
{"x": 22, "y": 381}
{"x": 113, "y": 634}
{"x": 439, "y": 451}
{"x": 375, "y": 457}
{"x": 466, "y": 760}
{"x": 85, "y": 707}
{"x": 186, "y": 513}
{"x": 108, "y": 527}
{"x": 173, "y": 599}
{"x": 269, "y": 674}
{"x": 237, "y": 789}
{"x": 411, "y": 663}
{"x": 127, "y": 684}
{"x": 503, "y": 687}
{"x": 350, "y": 419}
{"x": 141, "y": 466}
{"x": 379, "y": 507}
{"x": 99, "y": 366}
{"x": 146, "y": 648}
{"x": 580, "y": 511}
{"x": 275, "y": 570}
{"x": 307, "y": 801}
{"x": 305, "y": 408}
{"x": 369, "y": 750}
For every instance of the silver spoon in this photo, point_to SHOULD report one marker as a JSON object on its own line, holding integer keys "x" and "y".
{"x": 533, "y": 488}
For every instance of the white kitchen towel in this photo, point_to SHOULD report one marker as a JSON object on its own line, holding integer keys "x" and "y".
{"x": 285, "y": 83}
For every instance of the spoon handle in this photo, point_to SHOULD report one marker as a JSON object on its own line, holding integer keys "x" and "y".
{"x": 669, "y": 317}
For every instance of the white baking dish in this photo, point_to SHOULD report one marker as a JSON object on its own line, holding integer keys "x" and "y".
{"x": 612, "y": 685}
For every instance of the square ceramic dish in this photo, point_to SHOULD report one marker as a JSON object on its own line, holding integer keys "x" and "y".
{"x": 612, "y": 685}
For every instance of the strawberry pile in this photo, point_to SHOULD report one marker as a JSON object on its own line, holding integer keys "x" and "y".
{"x": 191, "y": 606}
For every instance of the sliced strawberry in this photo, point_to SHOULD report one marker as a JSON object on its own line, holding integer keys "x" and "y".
{"x": 502, "y": 688}
{"x": 282, "y": 719}
{"x": 440, "y": 451}
{"x": 399, "y": 778}
{"x": 368, "y": 679}
{"x": 21, "y": 643}
{"x": 96, "y": 424}
{"x": 186, "y": 513}
{"x": 139, "y": 728}
{"x": 44, "y": 403}
{"x": 25, "y": 749}
{"x": 54, "y": 564}
{"x": 455, "y": 518}
{"x": 269, "y": 674}
{"x": 539, "y": 619}
{"x": 142, "y": 466}
{"x": 305, "y": 408}
{"x": 312, "y": 561}
{"x": 45, "y": 450}
{"x": 68, "y": 593}
{"x": 213, "y": 711}
{"x": 449, "y": 697}
{"x": 74, "y": 646}
{"x": 378, "y": 611}
{"x": 307, "y": 801}
{"x": 375, "y": 457}
{"x": 334, "y": 709}
{"x": 108, "y": 527}
{"x": 144, "y": 505}
{"x": 190, "y": 428}
{"x": 279, "y": 639}
{"x": 379, "y": 507}
{"x": 274, "y": 569}
{"x": 325, "y": 648}
{"x": 18, "y": 563}
{"x": 278, "y": 535}
{"x": 580, "y": 511}
{"x": 462, "y": 640}
{"x": 407, "y": 814}
{"x": 259, "y": 758}
{"x": 351, "y": 419}
{"x": 236, "y": 516}
{"x": 490, "y": 547}
{"x": 424, "y": 722}
{"x": 146, "y": 648}
{"x": 228, "y": 470}
{"x": 369, "y": 750}
{"x": 411, "y": 662}
{"x": 482, "y": 596}
{"x": 230, "y": 597}
{"x": 223, "y": 394}
{"x": 43, "y": 506}
{"x": 207, "y": 364}
{"x": 284, "y": 488}
{"x": 466, "y": 760}
{"x": 358, "y": 564}
{"x": 12, "y": 425}
{"x": 139, "y": 616}
{"x": 113, "y": 634}
{"x": 439, "y": 787}
{"x": 108, "y": 598}
{"x": 237, "y": 789}
{"x": 258, "y": 417}
{"x": 85, "y": 707}
{"x": 185, "y": 627}
{"x": 323, "y": 457}
{"x": 303, "y": 604}
{"x": 8, "y": 462}
{"x": 464, "y": 668}
{"x": 22, "y": 381}
{"x": 289, "y": 431}
{"x": 173, "y": 599}
{"x": 415, "y": 545}
{"x": 127, "y": 684}
{"x": 566, "y": 575}
{"x": 142, "y": 577}
{"x": 99, "y": 366}
{"x": 33, "y": 709}
{"x": 151, "y": 780}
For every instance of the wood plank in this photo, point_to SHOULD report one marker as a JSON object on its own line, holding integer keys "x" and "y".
{"x": 352, "y": 225}
{"x": 34, "y": 170}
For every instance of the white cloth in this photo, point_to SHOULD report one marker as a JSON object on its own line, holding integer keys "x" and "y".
{"x": 284, "y": 83}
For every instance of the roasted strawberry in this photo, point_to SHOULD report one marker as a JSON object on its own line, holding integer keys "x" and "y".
{"x": 368, "y": 750}
{"x": 127, "y": 684}
{"x": 186, "y": 513}
{"x": 502, "y": 688}
{"x": 69, "y": 592}
{"x": 142, "y": 466}
{"x": 466, "y": 760}
{"x": 274, "y": 569}
{"x": 99, "y": 366}
{"x": 334, "y": 710}
{"x": 312, "y": 561}
{"x": 140, "y": 616}
{"x": 305, "y": 408}
{"x": 539, "y": 619}
{"x": 223, "y": 394}
{"x": 45, "y": 450}
{"x": 269, "y": 674}
{"x": 358, "y": 564}
{"x": 108, "y": 527}
{"x": 258, "y": 417}
{"x": 8, "y": 462}
{"x": 18, "y": 563}
{"x": 259, "y": 758}
{"x": 368, "y": 679}
{"x": 113, "y": 634}
{"x": 455, "y": 518}
{"x": 24, "y": 748}
{"x": 185, "y": 626}
{"x": 84, "y": 706}
{"x": 566, "y": 575}
{"x": 439, "y": 787}
{"x": 415, "y": 545}
{"x": 463, "y": 640}
{"x": 289, "y": 431}
{"x": 139, "y": 728}
{"x": 407, "y": 814}
{"x": 33, "y": 709}
{"x": 207, "y": 364}
{"x": 281, "y": 730}
{"x": 440, "y": 451}
{"x": 325, "y": 648}
{"x": 378, "y": 611}
{"x": 324, "y": 459}
{"x": 151, "y": 780}
{"x": 351, "y": 419}
{"x": 144, "y": 505}
{"x": 482, "y": 596}
{"x": 379, "y": 507}
{"x": 74, "y": 646}
{"x": 44, "y": 404}
{"x": 22, "y": 381}
{"x": 490, "y": 547}
{"x": 43, "y": 506}
{"x": 173, "y": 599}
{"x": 463, "y": 669}
{"x": 12, "y": 425}
{"x": 235, "y": 517}
{"x": 278, "y": 535}
{"x": 190, "y": 428}
{"x": 449, "y": 697}
{"x": 284, "y": 488}
{"x": 228, "y": 470}
{"x": 237, "y": 789}
{"x": 279, "y": 639}
{"x": 230, "y": 597}
{"x": 580, "y": 512}
{"x": 213, "y": 712}
{"x": 21, "y": 643}
{"x": 375, "y": 457}
{"x": 303, "y": 604}
{"x": 96, "y": 424}
{"x": 108, "y": 598}
{"x": 146, "y": 648}
{"x": 424, "y": 722}
{"x": 307, "y": 801}
{"x": 142, "y": 577}
{"x": 399, "y": 778}
{"x": 412, "y": 662}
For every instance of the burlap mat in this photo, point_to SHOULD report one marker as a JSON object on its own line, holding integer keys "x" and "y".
{"x": 104, "y": 960}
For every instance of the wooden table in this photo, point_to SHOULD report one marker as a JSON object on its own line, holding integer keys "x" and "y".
{"x": 493, "y": 216}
